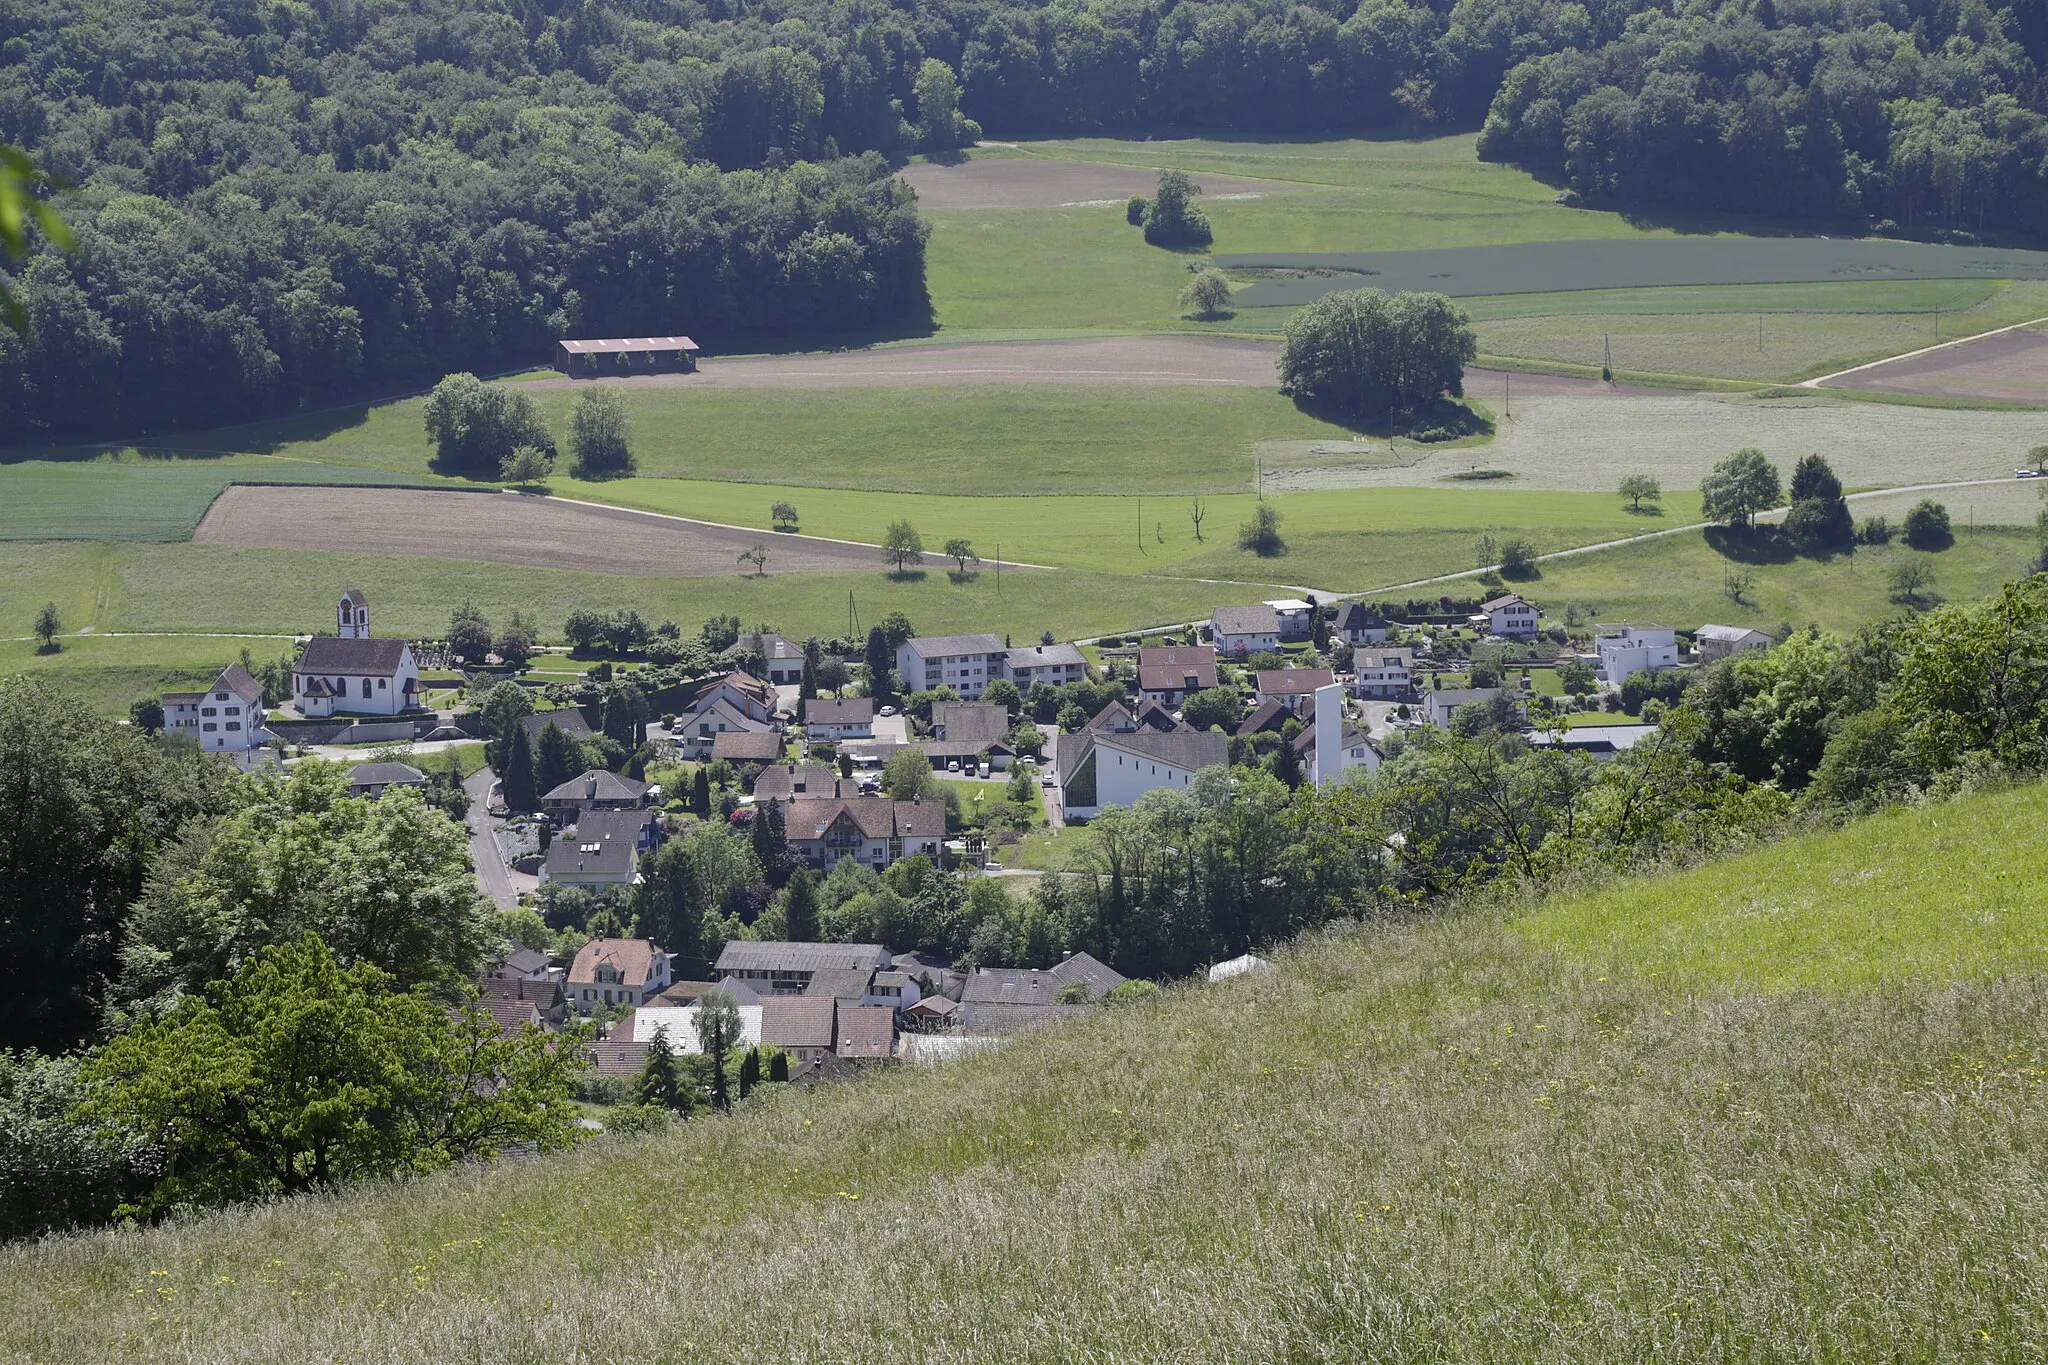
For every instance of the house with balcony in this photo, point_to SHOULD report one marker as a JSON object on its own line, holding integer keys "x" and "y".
{"x": 874, "y": 831}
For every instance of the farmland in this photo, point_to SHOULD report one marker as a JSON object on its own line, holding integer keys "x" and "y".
{"x": 1789, "y": 1097}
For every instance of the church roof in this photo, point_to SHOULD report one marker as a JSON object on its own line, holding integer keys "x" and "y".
{"x": 329, "y": 654}
{"x": 354, "y": 598}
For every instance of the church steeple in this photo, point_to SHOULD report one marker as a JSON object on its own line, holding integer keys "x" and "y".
{"x": 352, "y": 617}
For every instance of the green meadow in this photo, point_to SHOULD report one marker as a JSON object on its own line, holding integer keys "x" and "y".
{"x": 1786, "y": 1104}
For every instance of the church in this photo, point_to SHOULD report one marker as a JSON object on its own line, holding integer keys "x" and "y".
{"x": 353, "y": 673}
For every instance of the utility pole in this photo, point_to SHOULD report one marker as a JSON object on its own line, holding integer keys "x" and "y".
{"x": 1141, "y": 526}
{"x": 1507, "y": 396}
{"x": 1759, "y": 333}
{"x": 999, "y": 568}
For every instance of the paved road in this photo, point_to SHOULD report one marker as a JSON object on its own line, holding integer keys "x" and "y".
{"x": 492, "y": 876}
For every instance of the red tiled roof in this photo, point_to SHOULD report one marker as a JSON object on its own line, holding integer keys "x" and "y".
{"x": 867, "y": 1032}
{"x": 634, "y": 957}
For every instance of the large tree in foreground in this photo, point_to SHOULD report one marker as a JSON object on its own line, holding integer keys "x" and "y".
{"x": 300, "y": 1073}
{"x": 1366, "y": 354}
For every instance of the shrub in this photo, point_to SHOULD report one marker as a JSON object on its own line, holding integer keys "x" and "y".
{"x": 1261, "y": 535}
{"x": 1927, "y": 526}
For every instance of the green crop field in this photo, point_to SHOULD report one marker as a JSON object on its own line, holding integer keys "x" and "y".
{"x": 1472, "y": 1136}
{"x": 128, "y": 498}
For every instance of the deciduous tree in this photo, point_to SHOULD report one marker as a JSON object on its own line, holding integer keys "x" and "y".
{"x": 600, "y": 432}
{"x": 1739, "y": 487}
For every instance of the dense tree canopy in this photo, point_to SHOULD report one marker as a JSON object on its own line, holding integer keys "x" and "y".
{"x": 1365, "y": 353}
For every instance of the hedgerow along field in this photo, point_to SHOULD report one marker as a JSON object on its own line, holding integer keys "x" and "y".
{"x": 1789, "y": 1098}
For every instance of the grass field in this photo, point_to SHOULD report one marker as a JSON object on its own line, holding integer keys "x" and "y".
{"x": 1679, "y": 581}
{"x": 126, "y": 498}
{"x": 1455, "y": 1139}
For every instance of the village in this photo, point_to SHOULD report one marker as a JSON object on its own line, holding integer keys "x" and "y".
{"x": 961, "y": 754}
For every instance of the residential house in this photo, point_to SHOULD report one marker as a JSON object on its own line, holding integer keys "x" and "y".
{"x": 1048, "y": 664}
{"x": 1438, "y": 705}
{"x": 374, "y": 779}
{"x": 1000, "y": 1000}
{"x": 352, "y": 673}
{"x": 1099, "y": 768}
{"x": 697, "y": 731}
{"x": 1170, "y": 676}
{"x": 594, "y": 789}
{"x": 780, "y": 968}
{"x": 897, "y": 990}
{"x": 677, "y": 1025}
{"x": 782, "y": 661}
{"x": 848, "y": 985}
{"x": 866, "y": 1034}
{"x": 851, "y": 718}
{"x": 874, "y": 831}
{"x": 518, "y": 1001}
{"x": 603, "y": 848}
{"x": 227, "y": 717}
{"x": 1721, "y": 642}
{"x": 787, "y": 781}
{"x": 967, "y": 730}
{"x": 1267, "y": 715}
{"x": 743, "y": 746}
{"x": 1243, "y": 631}
{"x": 1297, "y": 618}
{"x": 965, "y": 663}
{"x": 934, "y": 1013}
{"x": 805, "y": 1026}
{"x": 1507, "y": 616}
{"x": 1597, "y": 740}
{"x": 1359, "y": 625}
{"x": 743, "y": 692}
{"x": 570, "y": 720}
{"x": 1118, "y": 718}
{"x": 1635, "y": 649}
{"x": 1293, "y": 688}
{"x": 1359, "y": 751}
{"x": 521, "y": 964}
{"x": 617, "y": 971}
{"x": 1383, "y": 672}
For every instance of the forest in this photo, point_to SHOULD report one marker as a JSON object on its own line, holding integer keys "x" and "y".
{"x": 281, "y": 203}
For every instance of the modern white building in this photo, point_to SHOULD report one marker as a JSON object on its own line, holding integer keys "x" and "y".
{"x": 1635, "y": 649}
{"x": 1508, "y": 616}
{"x": 1100, "y": 768}
{"x": 227, "y": 717}
{"x": 1297, "y": 618}
{"x": 965, "y": 663}
{"x": 353, "y": 673}
{"x": 1720, "y": 642}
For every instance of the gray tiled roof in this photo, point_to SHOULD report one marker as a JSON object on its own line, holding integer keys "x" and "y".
{"x": 936, "y": 646}
{"x": 598, "y": 784}
{"x": 740, "y": 955}
{"x": 799, "y": 1020}
{"x": 1358, "y": 616}
{"x": 840, "y": 983}
{"x": 1188, "y": 750}
{"x": 1047, "y": 656}
{"x": 331, "y": 654}
{"x": 971, "y": 721}
{"x": 1100, "y": 976}
{"x": 847, "y": 711}
{"x": 1257, "y": 619}
{"x": 385, "y": 775}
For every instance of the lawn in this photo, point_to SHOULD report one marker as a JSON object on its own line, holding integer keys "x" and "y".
{"x": 1443, "y": 1139}
{"x": 1680, "y": 581}
{"x": 107, "y": 673}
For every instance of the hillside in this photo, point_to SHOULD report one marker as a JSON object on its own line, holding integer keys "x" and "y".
{"x": 1619, "y": 1126}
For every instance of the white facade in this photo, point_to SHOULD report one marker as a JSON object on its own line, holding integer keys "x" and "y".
{"x": 1049, "y": 664}
{"x": 1385, "y": 674}
{"x": 965, "y": 663}
{"x": 226, "y": 718}
{"x": 1297, "y": 618}
{"x": 353, "y": 672}
{"x": 1635, "y": 649}
{"x": 1241, "y": 631}
{"x": 1510, "y": 617}
{"x": 1124, "y": 771}
{"x": 1720, "y": 642}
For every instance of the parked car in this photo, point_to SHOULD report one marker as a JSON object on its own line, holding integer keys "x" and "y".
{"x": 1046, "y": 781}
{"x": 954, "y": 766}
{"x": 888, "y": 711}
{"x": 2026, "y": 473}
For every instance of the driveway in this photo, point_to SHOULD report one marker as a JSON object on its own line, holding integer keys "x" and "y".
{"x": 493, "y": 878}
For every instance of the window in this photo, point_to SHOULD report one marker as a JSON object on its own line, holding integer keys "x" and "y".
{"x": 380, "y": 684}
{"x": 207, "y": 711}
{"x": 232, "y": 711}
{"x": 234, "y": 725}
{"x": 209, "y": 727}
{"x": 366, "y": 687}
{"x": 220, "y": 696}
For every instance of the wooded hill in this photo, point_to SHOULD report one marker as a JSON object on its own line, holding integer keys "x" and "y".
{"x": 285, "y": 201}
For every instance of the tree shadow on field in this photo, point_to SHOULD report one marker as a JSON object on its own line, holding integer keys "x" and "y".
{"x": 1751, "y": 545}
{"x": 1447, "y": 419}
{"x": 1644, "y": 511}
{"x": 962, "y": 576}
{"x": 906, "y": 575}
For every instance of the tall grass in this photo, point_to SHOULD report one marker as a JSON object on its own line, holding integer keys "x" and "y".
{"x": 1419, "y": 1142}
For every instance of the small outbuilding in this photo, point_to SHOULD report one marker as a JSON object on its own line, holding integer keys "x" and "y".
{"x": 625, "y": 355}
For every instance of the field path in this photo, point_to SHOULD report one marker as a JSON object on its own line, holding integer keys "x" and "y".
{"x": 1110, "y": 361}
{"x": 1909, "y": 371}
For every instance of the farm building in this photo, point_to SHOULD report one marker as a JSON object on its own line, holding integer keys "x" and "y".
{"x": 625, "y": 355}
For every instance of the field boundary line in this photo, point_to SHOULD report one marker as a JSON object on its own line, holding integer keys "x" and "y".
{"x": 1924, "y": 350}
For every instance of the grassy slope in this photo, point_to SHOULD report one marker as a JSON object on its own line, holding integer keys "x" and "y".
{"x": 1679, "y": 580}
{"x": 124, "y": 498}
{"x": 1435, "y": 1142}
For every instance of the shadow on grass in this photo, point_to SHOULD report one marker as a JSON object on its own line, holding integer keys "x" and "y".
{"x": 1452, "y": 418}
{"x": 1751, "y": 545}
{"x": 1644, "y": 511}
{"x": 962, "y": 576}
{"x": 906, "y": 575}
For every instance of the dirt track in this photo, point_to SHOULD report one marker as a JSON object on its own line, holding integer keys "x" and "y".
{"x": 1032, "y": 184}
{"x": 505, "y": 528}
{"x": 1114, "y": 361}
{"x": 2010, "y": 366}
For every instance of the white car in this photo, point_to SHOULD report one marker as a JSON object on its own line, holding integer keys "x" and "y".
{"x": 888, "y": 710}
{"x": 954, "y": 766}
{"x": 2026, "y": 473}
